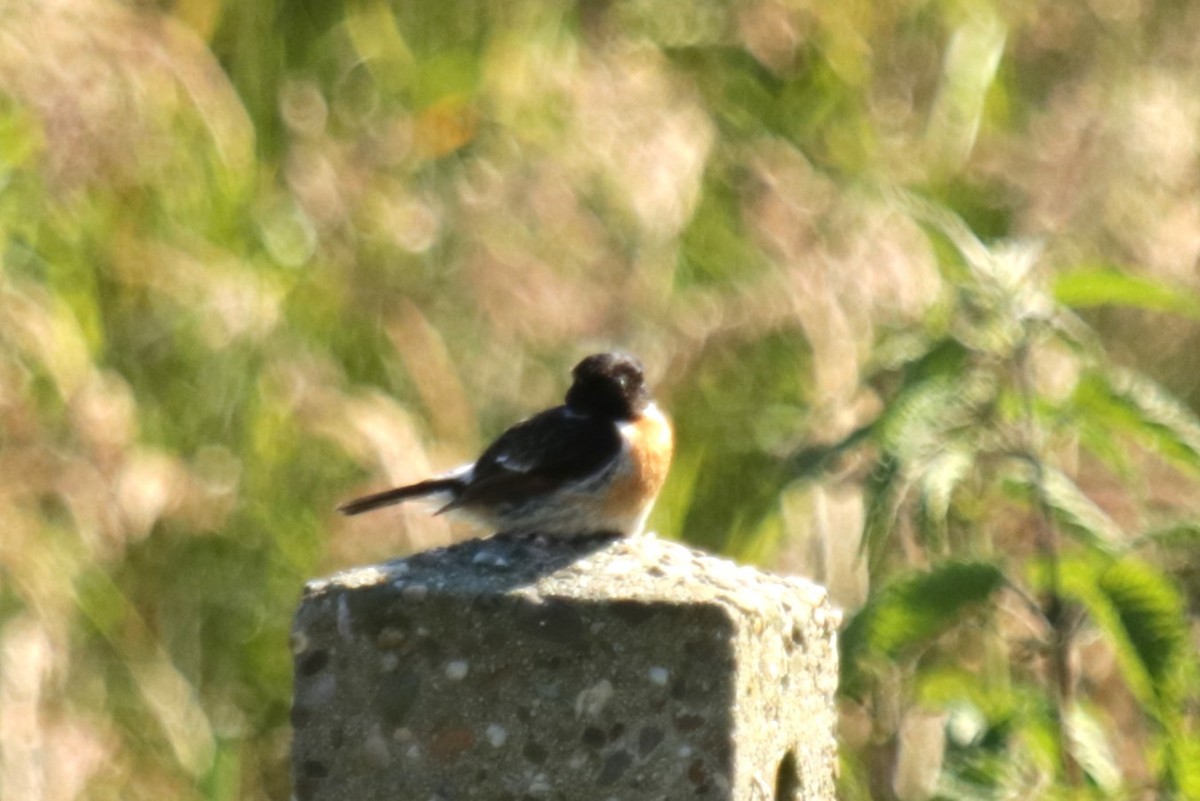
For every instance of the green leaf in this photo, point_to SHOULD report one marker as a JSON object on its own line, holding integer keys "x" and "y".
{"x": 947, "y": 229}
{"x": 1133, "y": 404}
{"x": 940, "y": 478}
{"x": 1072, "y": 508}
{"x": 812, "y": 460}
{"x": 1109, "y": 286}
{"x": 1182, "y": 538}
{"x": 1144, "y": 618}
{"x": 752, "y": 477}
{"x": 1184, "y": 761}
{"x": 1152, "y": 614}
{"x": 911, "y": 612}
{"x": 1092, "y": 750}
{"x": 914, "y": 424}
{"x": 981, "y": 712}
{"x": 946, "y": 357}
{"x": 884, "y": 492}
{"x": 942, "y": 399}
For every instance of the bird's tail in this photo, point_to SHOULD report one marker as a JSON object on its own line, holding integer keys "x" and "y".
{"x": 400, "y": 494}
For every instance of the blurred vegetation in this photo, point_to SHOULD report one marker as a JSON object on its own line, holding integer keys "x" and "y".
{"x": 917, "y": 281}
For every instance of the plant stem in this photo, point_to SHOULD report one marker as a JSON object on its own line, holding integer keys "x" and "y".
{"x": 1054, "y": 608}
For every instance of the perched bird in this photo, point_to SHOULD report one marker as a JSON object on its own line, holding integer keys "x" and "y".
{"x": 591, "y": 466}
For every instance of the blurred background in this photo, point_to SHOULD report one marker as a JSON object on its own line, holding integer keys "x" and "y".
{"x": 257, "y": 257}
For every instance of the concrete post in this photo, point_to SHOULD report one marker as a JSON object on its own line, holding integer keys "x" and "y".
{"x": 505, "y": 670}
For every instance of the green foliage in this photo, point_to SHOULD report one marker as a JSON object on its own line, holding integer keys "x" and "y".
{"x": 1081, "y": 289}
{"x": 966, "y": 440}
{"x": 909, "y": 614}
{"x": 1144, "y": 617}
{"x": 1071, "y": 508}
{"x": 1137, "y": 406}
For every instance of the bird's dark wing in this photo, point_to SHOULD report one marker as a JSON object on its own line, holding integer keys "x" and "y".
{"x": 540, "y": 454}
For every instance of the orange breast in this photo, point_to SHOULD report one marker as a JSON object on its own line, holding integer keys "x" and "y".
{"x": 650, "y": 444}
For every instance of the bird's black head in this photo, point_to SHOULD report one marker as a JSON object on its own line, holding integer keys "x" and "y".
{"x": 609, "y": 385}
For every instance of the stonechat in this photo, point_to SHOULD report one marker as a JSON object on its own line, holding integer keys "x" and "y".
{"x": 592, "y": 466}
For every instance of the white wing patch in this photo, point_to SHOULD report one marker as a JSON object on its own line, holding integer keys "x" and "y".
{"x": 513, "y": 464}
{"x": 464, "y": 472}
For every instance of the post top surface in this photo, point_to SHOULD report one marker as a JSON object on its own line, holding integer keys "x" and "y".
{"x": 642, "y": 568}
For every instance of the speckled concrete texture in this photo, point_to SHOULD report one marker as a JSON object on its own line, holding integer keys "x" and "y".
{"x": 616, "y": 670}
